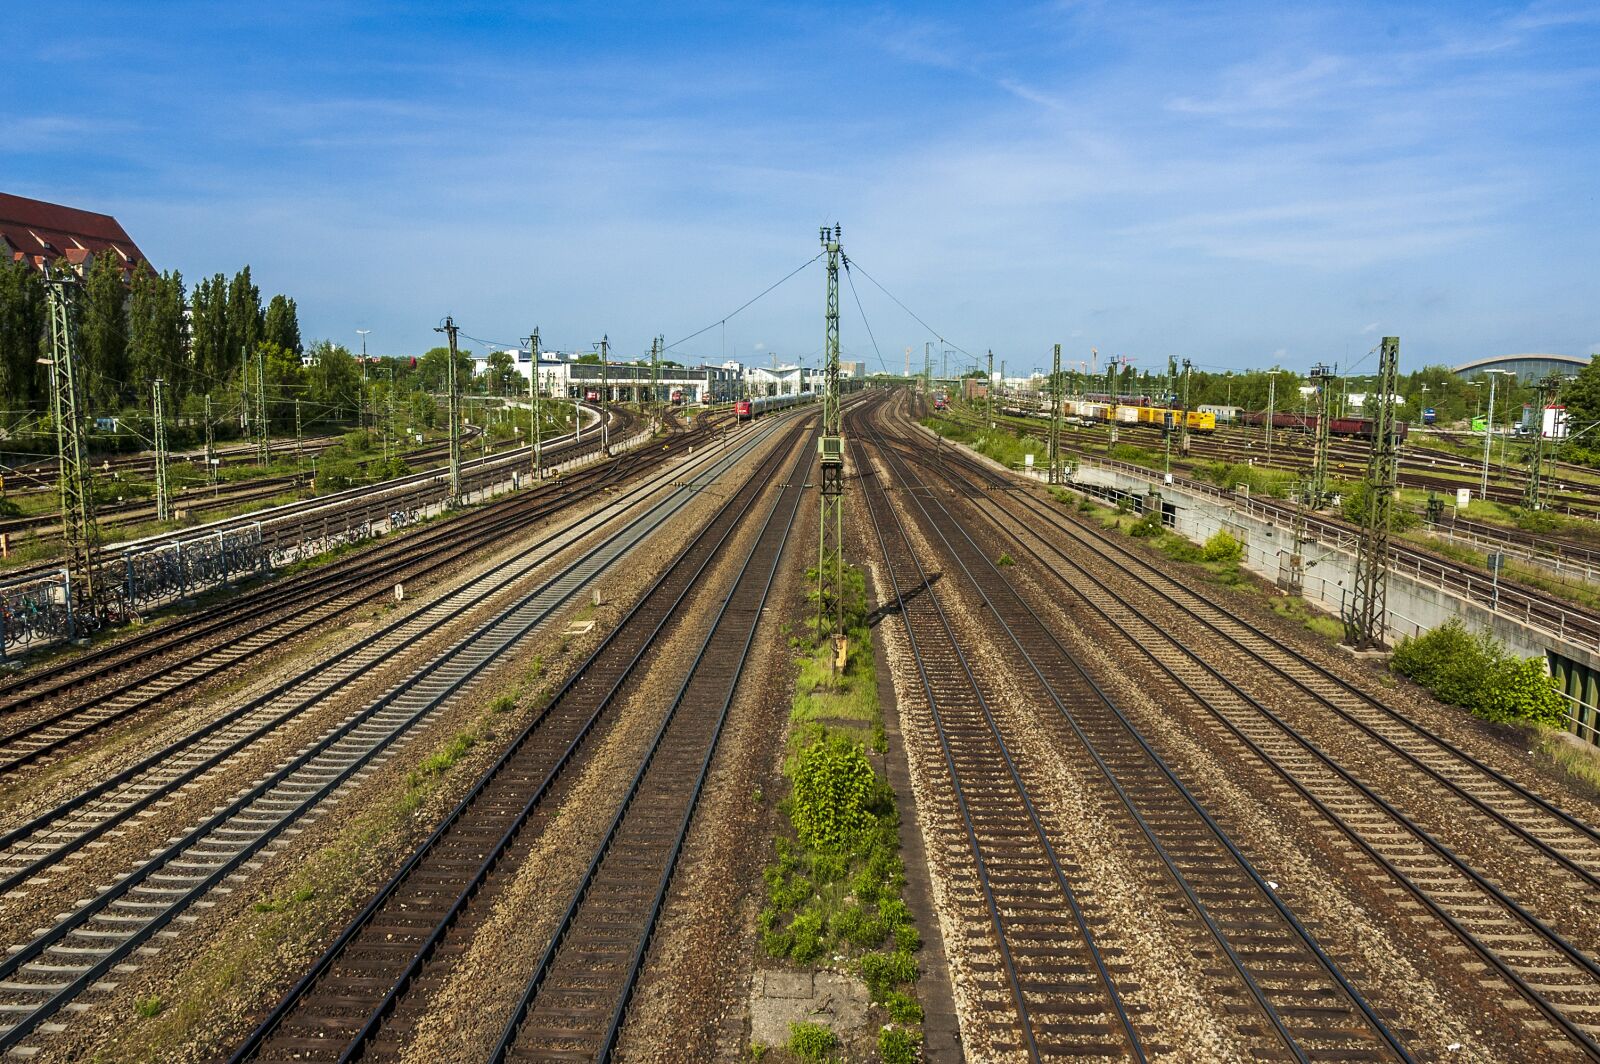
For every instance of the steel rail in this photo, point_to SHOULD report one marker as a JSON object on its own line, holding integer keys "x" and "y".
{"x": 1574, "y": 1030}
{"x": 711, "y": 538}
{"x": 793, "y": 492}
{"x": 465, "y": 658}
{"x": 997, "y": 919}
{"x": 994, "y": 579}
{"x": 1100, "y": 545}
{"x": 418, "y": 623}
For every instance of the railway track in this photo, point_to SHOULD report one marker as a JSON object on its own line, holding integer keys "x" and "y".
{"x": 53, "y": 970}
{"x": 147, "y": 667}
{"x": 361, "y": 994}
{"x": 285, "y": 527}
{"x": 1284, "y": 995}
{"x": 1504, "y": 823}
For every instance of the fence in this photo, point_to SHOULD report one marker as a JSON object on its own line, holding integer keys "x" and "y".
{"x": 36, "y": 612}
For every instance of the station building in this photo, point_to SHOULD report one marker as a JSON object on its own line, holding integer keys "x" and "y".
{"x": 1528, "y": 367}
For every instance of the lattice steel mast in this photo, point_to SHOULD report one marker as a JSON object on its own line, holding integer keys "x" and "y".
{"x": 1367, "y": 619}
{"x": 1321, "y": 376}
{"x": 536, "y": 437}
{"x": 77, "y": 497}
{"x": 163, "y": 493}
{"x": 1533, "y": 490}
{"x": 1055, "y": 415}
{"x": 830, "y": 454}
{"x": 263, "y": 430}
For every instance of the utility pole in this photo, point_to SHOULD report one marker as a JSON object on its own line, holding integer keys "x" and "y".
{"x": 1183, "y": 438}
{"x": 1322, "y": 377}
{"x": 1272, "y": 402}
{"x": 365, "y": 431}
{"x": 927, "y": 368}
{"x": 830, "y": 455}
{"x": 605, "y": 388}
{"x": 449, "y": 328}
{"x": 389, "y": 449}
{"x": 1366, "y": 622}
{"x": 299, "y": 439}
{"x": 1532, "y": 495}
{"x": 536, "y": 437}
{"x": 77, "y": 498}
{"x": 908, "y": 365}
{"x": 211, "y": 444}
{"x": 988, "y": 388}
{"x": 655, "y": 380}
{"x": 1055, "y": 416}
{"x": 163, "y": 498}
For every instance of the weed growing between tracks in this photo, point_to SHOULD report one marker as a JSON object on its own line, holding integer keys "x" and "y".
{"x": 834, "y": 889}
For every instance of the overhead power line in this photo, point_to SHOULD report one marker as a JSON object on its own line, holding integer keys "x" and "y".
{"x": 727, "y": 317}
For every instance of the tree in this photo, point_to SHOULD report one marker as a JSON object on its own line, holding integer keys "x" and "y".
{"x": 434, "y": 367}
{"x": 1582, "y": 397}
{"x": 209, "y": 335}
{"x": 243, "y": 324}
{"x": 155, "y": 330}
{"x": 282, "y": 325}
{"x": 591, "y": 359}
{"x": 285, "y": 381}
{"x": 22, "y": 338}
{"x": 334, "y": 379}
{"x": 103, "y": 334}
{"x": 502, "y": 374}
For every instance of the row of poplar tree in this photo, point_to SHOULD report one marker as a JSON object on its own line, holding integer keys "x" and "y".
{"x": 130, "y": 333}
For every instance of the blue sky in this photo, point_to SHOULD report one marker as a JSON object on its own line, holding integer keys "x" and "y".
{"x": 1235, "y": 183}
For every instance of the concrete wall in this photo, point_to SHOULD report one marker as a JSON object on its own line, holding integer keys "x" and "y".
{"x": 1328, "y": 570}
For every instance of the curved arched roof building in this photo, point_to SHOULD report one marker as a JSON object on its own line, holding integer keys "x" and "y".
{"x": 1526, "y": 367}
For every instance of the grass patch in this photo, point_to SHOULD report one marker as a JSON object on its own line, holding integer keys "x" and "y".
{"x": 1581, "y": 763}
{"x": 812, "y": 1042}
{"x": 148, "y": 1008}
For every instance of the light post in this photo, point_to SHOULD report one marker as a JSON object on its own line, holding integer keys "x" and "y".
{"x": 1488, "y": 433}
{"x": 363, "y": 334}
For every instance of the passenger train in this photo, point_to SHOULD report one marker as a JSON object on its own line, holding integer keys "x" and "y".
{"x": 749, "y": 409}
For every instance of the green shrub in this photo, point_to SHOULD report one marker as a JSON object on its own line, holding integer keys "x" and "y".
{"x": 809, "y": 941}
{"x": 812, "y": 1041}
{"x": 1147, "y": 526}
{"x": 1537, "y": 521}
{"x": 897, "y": 1047}
{"x": 834, "y": 785}
{"x": 1479, "y": 674}
{"x": 1223, "y": 549}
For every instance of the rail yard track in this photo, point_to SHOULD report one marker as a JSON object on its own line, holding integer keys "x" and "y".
{"x": 43, "y": 976}
{"x": 361, "y": 993}
{"x": 1060, "y": 995}
{"x": 135, "y": 673}
{"x": 1496, "y": 864}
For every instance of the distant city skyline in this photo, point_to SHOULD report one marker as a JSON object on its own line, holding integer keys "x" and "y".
{"x": 1240, "y": 185}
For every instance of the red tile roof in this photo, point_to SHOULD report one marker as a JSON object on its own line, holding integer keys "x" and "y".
{"x": 35, "y": 228}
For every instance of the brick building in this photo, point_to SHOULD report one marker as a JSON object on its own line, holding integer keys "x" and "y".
{"x": 39, "y": 233}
